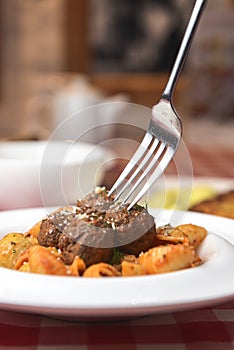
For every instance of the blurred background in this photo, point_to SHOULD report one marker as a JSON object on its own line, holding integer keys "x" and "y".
{"x": 51, "y": 50}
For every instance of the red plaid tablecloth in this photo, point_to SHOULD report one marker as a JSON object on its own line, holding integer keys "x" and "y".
{"x": 213, "y": 161}
{"x": 211, "y": 147}
{"x": 208, "y": 328}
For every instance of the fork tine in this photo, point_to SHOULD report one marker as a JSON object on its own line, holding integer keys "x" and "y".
{"x": 143, "y": 147}
{"x": 157, "y": 172}
{"x": 145, "y": 172}
{"x": 139, "y": 167}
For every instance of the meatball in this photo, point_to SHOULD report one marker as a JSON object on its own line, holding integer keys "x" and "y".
{"x": 96, "y": 226}
{"x": 53, "y": 225}
{"x": 91, "y": 243}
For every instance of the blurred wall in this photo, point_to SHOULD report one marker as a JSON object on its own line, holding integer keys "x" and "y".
{"x": 33, "y": 51}
{"x": 32, "y": 48}
{"x": 211, "y": 64}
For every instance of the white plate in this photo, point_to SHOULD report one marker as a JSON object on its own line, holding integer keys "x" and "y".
{"x": 80, "y": 298}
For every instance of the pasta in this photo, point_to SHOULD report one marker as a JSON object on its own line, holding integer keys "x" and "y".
{"x": 42, "y": 260}
{"x": 101, "y": 270}
{"x": 167, "y": 258}
{"x": 12, "y": 246}
{"x": 131, "y": 269}
{"x": 195, "y": 234}
{"x": 176, "y": 250}
{"x": 69, "y": 242}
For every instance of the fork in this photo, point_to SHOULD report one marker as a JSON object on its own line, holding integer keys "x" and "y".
{"x": 163, "y": 135}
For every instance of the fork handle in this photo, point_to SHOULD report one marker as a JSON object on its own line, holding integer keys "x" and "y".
{"x": 183, "y": 50}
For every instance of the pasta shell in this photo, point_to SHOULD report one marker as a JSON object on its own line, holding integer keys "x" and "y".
{"x": 195, "y": 233}
{"x": 12, "y": 246}
{"x": 166, "y": 258}
{"x": 77, "y": 267}
{"x": 101, "y": 270}
{"x": 24, "y": 267}
{"x": 167, "y": 234}
{"x": 43, "y": 261}
{"x": 131, "y": 269}
{"x": 23, "y": 258}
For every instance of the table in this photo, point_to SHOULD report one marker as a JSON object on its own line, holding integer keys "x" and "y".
{"x": 210, "y": 328}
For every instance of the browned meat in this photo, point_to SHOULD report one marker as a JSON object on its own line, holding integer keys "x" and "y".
{"x": 53, "y": 225}
{"x": 141, "y": 234}
{"x": 90, "y": 242}
{"x": 134, "y": 230}
{"x": 97, "y": 226}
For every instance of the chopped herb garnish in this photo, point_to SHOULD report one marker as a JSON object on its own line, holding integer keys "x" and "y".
{"x": 116, "y": 257}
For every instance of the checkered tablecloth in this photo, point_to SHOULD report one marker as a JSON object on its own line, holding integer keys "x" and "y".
{"x": 208, "y": 328}
{"x": 211, "y": 148}
{"x": 212, "y": 161}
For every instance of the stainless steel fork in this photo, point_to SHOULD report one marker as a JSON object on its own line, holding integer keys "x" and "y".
{"x": 163, "y": 135}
